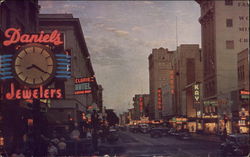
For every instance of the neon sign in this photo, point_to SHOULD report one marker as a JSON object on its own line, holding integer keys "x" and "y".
{"x": 171, "y": 81}
{"x": 197, "y": 96}
{"x": 13, "y": 36}
{"x": 244, "y": 94}
{"x": 83, "y": 85}
{"x": 141, "y": 104}
{"x": 36, "y": 93}
{"x": 159, "y": 98}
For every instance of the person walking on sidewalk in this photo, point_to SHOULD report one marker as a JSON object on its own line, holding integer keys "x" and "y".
{"x": 95, "y": 123}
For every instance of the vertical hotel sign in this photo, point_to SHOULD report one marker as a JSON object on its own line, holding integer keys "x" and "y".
{"x": 197, "y": 96}
{"x": 141, "y": 103}
{"x": 159, "y": 99}
{"x": 171, "y": 81}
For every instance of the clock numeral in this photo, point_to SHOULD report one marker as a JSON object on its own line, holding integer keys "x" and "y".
{"x": 25, "y": 79}
{"x": 34, "y": 80}
{"x": 19, "y": 73}
{"x": 42, "y": 51}
{"x": 42, "y": 79}
{"x": 25, "y": 51}
{"x": 34, "y": 50}
{"x": 19, "y": 57}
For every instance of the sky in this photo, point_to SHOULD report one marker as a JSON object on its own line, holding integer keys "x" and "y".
{"x": 120, "y": 35}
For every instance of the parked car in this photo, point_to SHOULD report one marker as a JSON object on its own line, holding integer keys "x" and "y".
{"x": 183, "y": 134}
{"x": 134, "y": 128}
{"x": 236, "y": 144}
{"x": 144, "y": 128}
{"x": 158, "y": 132}
{"x": 173, "y": 132}
{"x": 155, "y": 132}
{"x": 112, "y": 135}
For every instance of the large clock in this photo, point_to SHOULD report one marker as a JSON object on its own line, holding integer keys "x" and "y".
{"x": 34, "y": 65}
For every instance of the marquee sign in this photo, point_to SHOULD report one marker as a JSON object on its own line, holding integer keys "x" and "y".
{"x": 83, "y": 85}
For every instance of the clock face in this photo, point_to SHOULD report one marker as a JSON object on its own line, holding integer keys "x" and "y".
{"x": 34, "y": 65}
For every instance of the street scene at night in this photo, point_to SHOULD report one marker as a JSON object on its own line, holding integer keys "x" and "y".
{"x": 124, "y": 78}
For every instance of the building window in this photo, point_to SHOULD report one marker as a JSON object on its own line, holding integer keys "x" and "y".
{"x": 228, "y": 2}
{"x": 229, "y": 22}
{"x": 230, "y": 44}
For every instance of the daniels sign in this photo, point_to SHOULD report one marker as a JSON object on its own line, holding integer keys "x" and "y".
{"x": 13, "y": 36}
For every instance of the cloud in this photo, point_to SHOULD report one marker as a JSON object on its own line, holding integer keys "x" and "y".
{"x": 136, "y": 28}
{"x": 148, "y": 2}
{"x": 121, "y": 33}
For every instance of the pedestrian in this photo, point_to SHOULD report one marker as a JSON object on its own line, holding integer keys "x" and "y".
{"x": 52, "y": 150}
{"x": 75, "y": 134}
{"x": 62, "y": 146}
{"x": 94, "y": 124}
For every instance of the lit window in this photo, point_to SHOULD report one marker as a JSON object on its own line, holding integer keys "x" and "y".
{"x": 230, "y": 44}
{"x": 229, "y": 22}
{"x": 228, "y": 2}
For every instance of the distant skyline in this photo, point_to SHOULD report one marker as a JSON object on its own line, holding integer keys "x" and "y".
{"x": 120, "y": 35}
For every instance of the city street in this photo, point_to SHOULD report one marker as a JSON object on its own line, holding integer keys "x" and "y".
{"x": 137, "y": 144}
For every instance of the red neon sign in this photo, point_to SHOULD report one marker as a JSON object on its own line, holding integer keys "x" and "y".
{"x": 159, "y": 98}
{"x": 13, "y": 36}
{"x": 33, "y": 93}
{"x": 141, "y": 104}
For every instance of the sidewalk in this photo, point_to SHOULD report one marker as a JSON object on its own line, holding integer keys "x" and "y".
{"x": 211, "y": 138}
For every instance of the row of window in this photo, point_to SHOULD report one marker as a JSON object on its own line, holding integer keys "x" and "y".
{"x": 228, "y": 2}
{"x": 241, "y": 73}
{"x": 209, "y": 89}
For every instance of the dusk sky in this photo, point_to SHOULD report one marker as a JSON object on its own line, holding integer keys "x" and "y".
{"x": 120, "y": 35}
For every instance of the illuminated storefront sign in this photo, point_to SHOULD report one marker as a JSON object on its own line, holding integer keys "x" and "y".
{"x": 159, "y": 98}
{"x": 13, "y": 36}
{"x": 35, "y": 93}
{"x": 244, "y": 94}
{"x": 197, "y": 95}
{"x": 141, "y": 104}
{"x": 83, "y": 85}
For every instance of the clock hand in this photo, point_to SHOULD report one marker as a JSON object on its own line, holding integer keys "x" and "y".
{"x": 35, "y": 66}
{"x": 32, "y": 66}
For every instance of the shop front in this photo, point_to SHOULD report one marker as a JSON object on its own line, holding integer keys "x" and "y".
{"x": 178, "y": 123}
{"x": 210, "y": 117}
{"x": 243, "y": 122}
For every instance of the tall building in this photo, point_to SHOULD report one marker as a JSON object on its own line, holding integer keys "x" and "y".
{"x": 160, "y": 70}
{"x": 74, "y": 104}
{"x": 141, "y": 102}
{"x": 188, "y": 78}
{"x": 225, "y": 32}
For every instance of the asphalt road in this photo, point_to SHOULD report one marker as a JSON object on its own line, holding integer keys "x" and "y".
{"x": 137, "y": 144}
